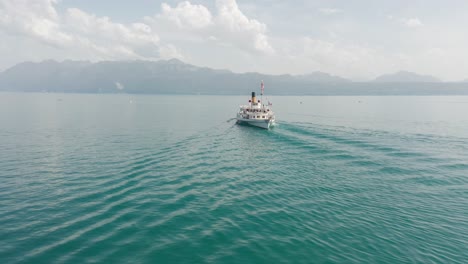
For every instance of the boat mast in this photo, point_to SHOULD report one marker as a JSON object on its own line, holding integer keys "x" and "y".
{"x": 262, "y": 87}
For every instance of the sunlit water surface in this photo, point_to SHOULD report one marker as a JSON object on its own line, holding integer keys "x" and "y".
{"x": 173, "y": 179}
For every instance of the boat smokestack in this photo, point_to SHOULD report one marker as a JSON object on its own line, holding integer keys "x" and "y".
{"x": 254, "y": 99}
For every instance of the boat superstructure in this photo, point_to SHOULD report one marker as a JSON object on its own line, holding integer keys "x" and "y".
{"x": 256, "y": 113}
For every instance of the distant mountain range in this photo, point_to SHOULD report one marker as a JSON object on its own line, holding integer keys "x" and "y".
{"x": 321, "y": 77}
{"x": 176, "y": 77}
{"x": 408, "y": 77}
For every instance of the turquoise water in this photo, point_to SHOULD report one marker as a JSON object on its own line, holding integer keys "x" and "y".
{"x": 165, "y": 179}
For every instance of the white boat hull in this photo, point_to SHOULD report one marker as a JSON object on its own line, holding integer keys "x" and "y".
{"x": 262, "y": 123}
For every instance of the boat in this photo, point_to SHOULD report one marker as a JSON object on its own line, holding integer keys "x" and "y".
{"x": 256, "y": 113}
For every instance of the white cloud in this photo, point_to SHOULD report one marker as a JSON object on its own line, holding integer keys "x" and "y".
{"x": 408, "y": 22}
{"x": 329, "y": 11}
{"x": 186, "y": 15}
{"x": 102, "y": 29}
{"x": 412, "y": 22}
{"x": 37, "y": 19}
{"x": 229, "y": 26}
{"x": 81, "y": 33}
{"x": 239, "y": 29}
{"x": 119, "y": 86}
{"x": 170, "y": 51}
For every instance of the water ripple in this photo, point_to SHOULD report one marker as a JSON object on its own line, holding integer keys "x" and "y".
{"x": 301, "y": 191}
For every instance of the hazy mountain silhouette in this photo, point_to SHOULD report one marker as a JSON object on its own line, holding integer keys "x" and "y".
{"x": 322, "y": 77}
{"x": 176, "y": 77}
{"x": 171, "y": 76}
{"x": 406, "y": 77}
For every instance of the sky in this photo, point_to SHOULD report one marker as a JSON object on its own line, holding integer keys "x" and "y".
{"x": 359, "y": 39}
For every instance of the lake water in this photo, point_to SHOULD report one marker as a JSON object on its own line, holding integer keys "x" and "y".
{"x": 173, "y": 179}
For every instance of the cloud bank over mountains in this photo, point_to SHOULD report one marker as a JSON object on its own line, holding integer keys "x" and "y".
{"x": 80, "y": 33}
{"x": 275, "y": 38}
{"x": 87, "y": 34}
